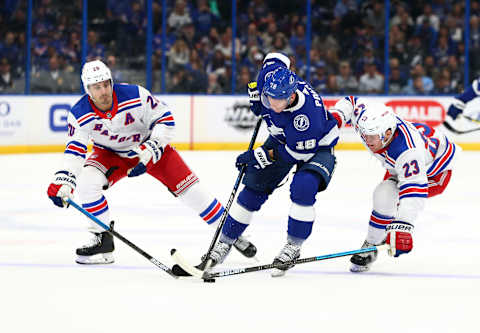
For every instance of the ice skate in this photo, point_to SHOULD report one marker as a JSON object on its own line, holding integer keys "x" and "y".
{"x": 97, "y": 251}
{"x": 245, "y": 247}
{"x": 218, "y": 254}
{"x": 288, "y": 253}
{"x": 363, "y": 261}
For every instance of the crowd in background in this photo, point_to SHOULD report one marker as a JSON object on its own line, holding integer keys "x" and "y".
{"x": 426, "y": 44}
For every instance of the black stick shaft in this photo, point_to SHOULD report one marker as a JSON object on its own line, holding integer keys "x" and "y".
{"x": 234, "y": 192}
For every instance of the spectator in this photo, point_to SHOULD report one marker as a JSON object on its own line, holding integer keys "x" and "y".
{"x": 431, "y": 69}
{"x": 268, "y": 36}
{"x": 9, "y": 49}
{"x": 298, "y": 38}
{"x": 396, "y": 84}
{"x": 368, "y": 58}
{"x": 343, "y": 7}
{"x": 216, "y": 63}
{"x": 442, "y": 51}
{"x": 319, "y": 80}
{"x": 371, "y": 82}
{"x": 225, "y": 77}
{"x": 346, "y": 81}
{"x": 252, "y": 37}
{"x": 427, "y": 34}
{"x": 417, "y": 74}
{"x": 455, "y": 21}
{"x": 117, "y": 74}
{"x": 474, "y": 46}
{"x": 243, "y": 80}
{"x": 53, "y": 79}
{"x": 71, "y": 50}
{"x": 414, "y": 52}
{"x": 280, "y": 44}
{"x": 213, "y": 84}
{"x": 181, "y": 81}
{"x": 204, "y": 19}
{"x": 6, "y": 77}
{"x": 178, "y": 55}
{"x": 188, "y": 35}
{"x": 375, "y": 16}
{"x": 442, "y": 84}
{"x": 179, "y": 17}
{"x": 429, "y": 17}
{"x": 95, "y": 50}
{"x": 225, "y": 45}
{"x": 416, "y": 86}
{"x": 401, "y": 15}
{"x": 332, "y": 87}
{"x": 456, "y": 79}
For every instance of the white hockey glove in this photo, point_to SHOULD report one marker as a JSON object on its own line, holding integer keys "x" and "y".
{"x": 399, "y": 238}
{"x": 148, "y": 151}
{"x": 62, "y": 188}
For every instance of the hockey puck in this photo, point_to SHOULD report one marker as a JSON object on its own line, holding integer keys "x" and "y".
{"x": 209, "y": 280}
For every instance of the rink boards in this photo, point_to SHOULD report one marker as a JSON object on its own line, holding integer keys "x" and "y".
{"x": 38, "y": 123}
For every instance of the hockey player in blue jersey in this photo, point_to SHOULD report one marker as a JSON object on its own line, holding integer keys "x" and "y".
{"x": 459, "y": 104}
{"x": 131, "y": 132}
{"x": 456, "y": 119}
{"x": 302, "y": 134}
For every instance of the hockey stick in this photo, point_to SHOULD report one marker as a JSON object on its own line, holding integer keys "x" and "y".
{"x": 206, "y": 264}
{"x": 457, "y": 131}
{"x": 235, "y": 271}
{"x": 123, "y": 239}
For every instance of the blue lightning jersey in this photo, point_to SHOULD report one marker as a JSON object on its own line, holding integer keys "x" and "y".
{"x": 305, "y": 126}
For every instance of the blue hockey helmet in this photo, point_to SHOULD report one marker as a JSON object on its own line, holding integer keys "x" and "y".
{"x": 281, "y": 84}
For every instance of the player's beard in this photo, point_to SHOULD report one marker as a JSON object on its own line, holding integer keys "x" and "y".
{"x": 105, "y": 101}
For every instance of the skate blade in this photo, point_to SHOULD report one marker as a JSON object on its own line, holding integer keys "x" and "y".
{"x": 359, "y": 269}
{"x": 96, "y": 259}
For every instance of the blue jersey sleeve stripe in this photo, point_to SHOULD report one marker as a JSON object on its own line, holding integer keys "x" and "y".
{"x": 404, "y": 186}
{"x": 413, "y": 195}
{"x": 74, "y": 153}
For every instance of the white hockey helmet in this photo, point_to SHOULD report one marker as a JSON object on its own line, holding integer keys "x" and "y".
{"x": 375, "y": 119}
{"x": 93, "y": 72}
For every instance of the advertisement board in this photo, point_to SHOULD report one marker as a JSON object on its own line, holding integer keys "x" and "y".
{"x": 38, "y": 123}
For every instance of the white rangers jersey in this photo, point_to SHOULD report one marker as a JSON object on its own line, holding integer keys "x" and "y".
{"x": 413, "y": 158}
{"x": 135, "y": 116}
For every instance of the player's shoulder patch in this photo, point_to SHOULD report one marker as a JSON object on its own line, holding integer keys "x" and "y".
{"x": 82, "y": 111}
{"x": 126, "y": 92}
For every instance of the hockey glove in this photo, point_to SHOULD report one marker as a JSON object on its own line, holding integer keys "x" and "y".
{"x": 148, "y": 151}
{"x": 456, "y": 108}
{"x": 62, "y": 188}
{"x": 254, "y": 98}
{"x": 258, "y": 159}
{"x": 399, "y": 238}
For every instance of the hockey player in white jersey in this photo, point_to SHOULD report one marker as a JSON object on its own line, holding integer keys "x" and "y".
{"x": 131, "y": 132}
{"x": 418, "y": 162}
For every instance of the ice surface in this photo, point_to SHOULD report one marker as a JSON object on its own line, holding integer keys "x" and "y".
{"x": 436, "y": 288}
